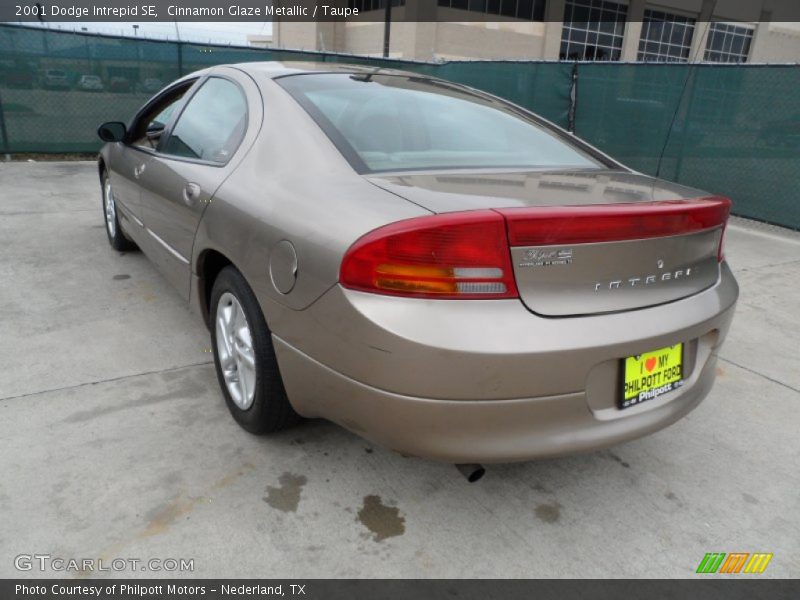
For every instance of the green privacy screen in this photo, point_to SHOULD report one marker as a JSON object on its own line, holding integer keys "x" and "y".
{"x": 731, "y": 130}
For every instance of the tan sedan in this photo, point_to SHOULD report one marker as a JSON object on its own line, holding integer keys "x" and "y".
{"x": 429, "y": 266}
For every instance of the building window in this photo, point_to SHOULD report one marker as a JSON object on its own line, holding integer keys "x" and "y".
{"x": 527, "y": 10}
{"x": 665, "y": 37}
{"x": 728, "y": 43}
{"x": 593, "y": 30}
{"x": 368, "y": 5}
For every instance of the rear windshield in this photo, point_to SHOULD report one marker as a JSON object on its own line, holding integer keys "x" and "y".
{"x": 391, "y": 123}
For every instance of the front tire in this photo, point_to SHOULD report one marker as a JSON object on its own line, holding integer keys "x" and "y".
{"x": 116, "y": 237}
{"x": 244, "y": 357}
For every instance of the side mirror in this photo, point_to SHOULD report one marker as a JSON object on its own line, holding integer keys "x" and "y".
{"x": 154, "y": 130}
{"x": 113, "y": 131}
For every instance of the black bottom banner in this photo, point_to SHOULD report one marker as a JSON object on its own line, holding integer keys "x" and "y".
{"x": 397, "y": 589}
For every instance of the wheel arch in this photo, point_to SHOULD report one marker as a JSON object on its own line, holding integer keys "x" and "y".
{"x": 210, "y": 263}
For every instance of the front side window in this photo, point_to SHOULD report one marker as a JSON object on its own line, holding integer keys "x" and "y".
{"x": 389, "y": 123}
{"x": 149, "y": 125}
{"x": 212, "y": 124}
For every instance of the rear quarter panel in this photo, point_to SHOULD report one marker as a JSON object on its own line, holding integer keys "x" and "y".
{"x": 292, "y": 185}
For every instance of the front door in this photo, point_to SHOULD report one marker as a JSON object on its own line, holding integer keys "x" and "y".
{"x": 124, "y": 172}
{"x": 129, "y": 160}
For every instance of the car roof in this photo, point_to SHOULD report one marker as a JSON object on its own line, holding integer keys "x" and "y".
{"x": 273, "y": 69}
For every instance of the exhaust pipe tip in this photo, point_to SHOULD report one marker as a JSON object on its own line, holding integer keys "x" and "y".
{"x": 472, "y": 472}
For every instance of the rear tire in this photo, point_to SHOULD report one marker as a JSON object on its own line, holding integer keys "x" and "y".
{"x": 244, "y": 357}
{"x": 116, "y": 237}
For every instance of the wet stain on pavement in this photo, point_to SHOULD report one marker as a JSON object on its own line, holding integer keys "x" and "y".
{"x": 121, "y": 276}
{"x": 672, "y": 497}
{"x": 286, "y": 498}
{"x": 540, "y": 487}
{"x": 617, "y": 459}
{"x": 749, "y": 499}
{"x": 171, "y": 375}
{"x": 231, "y": 477}
{"x": 161, "y": 520}
{"x": 383, "y": 521}
{"x": 187, "y": 388}
{"x": 549, "y": 513}
{"x": 720, "y": 371}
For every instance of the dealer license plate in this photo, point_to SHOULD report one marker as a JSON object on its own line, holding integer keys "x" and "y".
{"x": 651, "y": 375}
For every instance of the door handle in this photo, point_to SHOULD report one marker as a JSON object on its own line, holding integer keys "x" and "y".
{"x": 137, "y": 171}
{"x": 191, "y": 192}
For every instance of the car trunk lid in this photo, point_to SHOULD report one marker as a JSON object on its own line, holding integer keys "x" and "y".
{"x": 588, "y": 242}
{"x": 577, "y": 260}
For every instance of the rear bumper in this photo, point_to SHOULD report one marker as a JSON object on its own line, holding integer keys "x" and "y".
{"x": 449, "y": 385}
{"x": 488, "y": 431}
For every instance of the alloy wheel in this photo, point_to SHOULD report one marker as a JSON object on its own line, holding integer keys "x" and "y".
{"x": 111, "y": 209}
{"x": 235, "y": 351}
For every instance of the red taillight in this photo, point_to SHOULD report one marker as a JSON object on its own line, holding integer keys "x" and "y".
{"x": 613, "y": 222}
{"x": 466, "y": 254}
{"x": 456, "y": 255}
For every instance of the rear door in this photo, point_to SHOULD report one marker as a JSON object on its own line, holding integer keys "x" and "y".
{"x": 198, "y": 152}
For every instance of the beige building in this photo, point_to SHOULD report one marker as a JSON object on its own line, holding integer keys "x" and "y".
{"x": 628, "y": 30}
{"x": 259, "y": 40}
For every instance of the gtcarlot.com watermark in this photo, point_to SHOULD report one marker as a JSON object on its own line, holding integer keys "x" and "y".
{"x": 47, "y": 562}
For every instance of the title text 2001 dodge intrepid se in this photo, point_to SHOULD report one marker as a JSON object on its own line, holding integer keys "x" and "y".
{"x": 429, "y": 266}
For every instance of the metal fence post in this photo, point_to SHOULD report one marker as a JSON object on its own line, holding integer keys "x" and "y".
{"x": 4, "y": 132}
{"x": 689, "y": 93}
{"x": 573, "y": 99}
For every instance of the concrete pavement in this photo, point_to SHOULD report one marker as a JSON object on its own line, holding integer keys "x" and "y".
{"x": 115, "y": 441}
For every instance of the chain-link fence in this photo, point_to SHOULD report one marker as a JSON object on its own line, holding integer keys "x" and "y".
{"x": 729, "y": 129}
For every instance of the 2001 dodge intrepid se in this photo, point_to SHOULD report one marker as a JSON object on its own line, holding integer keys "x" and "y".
{"x": 427, "y": 265}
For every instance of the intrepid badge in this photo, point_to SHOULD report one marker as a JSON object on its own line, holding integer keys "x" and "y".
{"x": 645, "y": 280}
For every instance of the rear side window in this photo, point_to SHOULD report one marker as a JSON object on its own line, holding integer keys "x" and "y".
{"x": 212, "y": 124}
